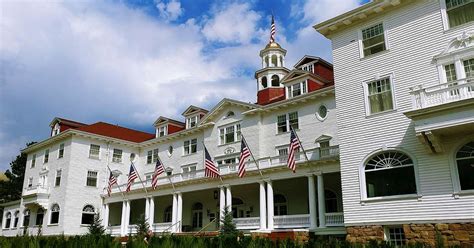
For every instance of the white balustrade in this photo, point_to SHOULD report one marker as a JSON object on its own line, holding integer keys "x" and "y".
{"x": 114, "y": 230}
{"x": 247, "y": 223}
{"x": 334, "y": 219}
{"x": 424, "y": 97}
{"x": 292, "y": 221}
{"x": 161, "y": 227}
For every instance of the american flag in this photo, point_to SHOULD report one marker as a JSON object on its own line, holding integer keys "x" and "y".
{"x": 294, "y": 147}
{"x": 131, "y": 177}
{"x": 112, "y": 181}
{"x": 272, "y": 30}
{"x": 210, "y": 168}
{"x": 159, "y": 169}
{"x": 244, "y": 155}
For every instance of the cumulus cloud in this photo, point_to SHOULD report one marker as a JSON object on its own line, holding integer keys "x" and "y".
{"x": 233, "y": 23}
{"x": 169, "y": 11}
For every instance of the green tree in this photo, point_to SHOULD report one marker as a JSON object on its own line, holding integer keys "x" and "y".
{"x": 10, "y": 190}
{"x": 143, "y": 228}
{"x": 228, "y": 227}
{"x": 96, "y": 228}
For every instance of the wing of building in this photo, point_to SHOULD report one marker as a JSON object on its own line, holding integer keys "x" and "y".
{"x": 403, "y": 86}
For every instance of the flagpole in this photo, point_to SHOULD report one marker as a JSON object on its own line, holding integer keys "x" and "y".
{"x": 138, "y": 174}
{"x": 301, "y": 145}
{"x": 251, "y": 154}
{"x": 204, "y": 161}
{"x": 118, "y": 186}
{"x": 108, "y": 167}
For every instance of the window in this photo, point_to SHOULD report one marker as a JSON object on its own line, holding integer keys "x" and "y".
{"x": 459, "y": 12}
{"x": 54, "y": 214}
{"x": 91, "y": 178}
{"x": 168, "y": 214}
{"x": 30, "y": 182}
{"x": 465, "y": 166}
{"x": 46, "y": 156}
{"x": 8, "y": 220}
{"x": 16, "y": 218}
{"x": 380, "y": 95}
{"x": 189, "y": 171}
{"x": 331, "y": 201}
{"x": 283, "y": 155}
{"x": 264, "y": 82}
{"x": 280, "y": 207}
{"x": 395, "y": 235}
{"x": 190, "y": 146}
{"x": 57, "y": 182}
{"x": 469, "y": 68}
{"x": 61, "y": 151}
{"x": 324, "y": 149}
{"x": 308, "y": 68}
{"x": 26, "y": 217}
{"x": 275, "y": 81}
{"x": 373, "y": 40}
{"x": 39, "y": 217}
{"x": 33, "y": 161}
{"x": 162, "y": 131}
{"x": 297, "y": 89}
{"x": 390, "y": 173}
{"x": 197, "y": 215}
{"x": 170, "y": 151}
{"x": 322, "y": 112}
{"x": 94, "y": 151}
{"x": 117, "y": 156}
{"x": 192, "y": 121}
{"x": 152, "y": 156}
{"x": 284, "y": 122}
{"x": 229, "y": 134}
{"x": 88, "y": 213}
{"x": 451, "y": 78}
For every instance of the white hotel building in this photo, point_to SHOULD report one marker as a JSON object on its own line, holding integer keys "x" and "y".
{"x": 404, "y": 123}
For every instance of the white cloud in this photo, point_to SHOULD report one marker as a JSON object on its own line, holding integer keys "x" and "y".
{"x": 169, "y": 11}
{"x": 321, "y": 10}
{"x": 233, "y": 23}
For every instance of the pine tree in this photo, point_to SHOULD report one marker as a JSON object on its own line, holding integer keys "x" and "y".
{"x": 228, "y": 227}
{"x": 96, "y": 228}
{"x": 143, "y": 228}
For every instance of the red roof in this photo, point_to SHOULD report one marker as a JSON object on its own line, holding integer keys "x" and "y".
{"x": 118, "y": 132}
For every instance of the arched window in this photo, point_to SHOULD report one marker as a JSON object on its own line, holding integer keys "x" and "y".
{"x": 266, "y": 61}
{"x": 168, "y": 215}
{"x": 264, "y": 82}
{"x": 8, "y": 220}
{"x": 197, "y": 215}
{"x": 465, "y": 166}
{"x": 54, "y": 214}
{"x": 331, "y": 201}
{"x": 26, "y": 217}
{"x": 16, "y": 218}
{"x": 275, "y": 81}
{"x": 274, "y": 60}
{"x": 390, "y": 173}
{"x": 279, "y": 205}
{"x": 230, "y": 114}
{"x": 39, "y": 217}
{"x": 88, "y": 213}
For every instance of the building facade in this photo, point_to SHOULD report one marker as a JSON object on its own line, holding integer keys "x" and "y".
{"x": 405, "y": 100}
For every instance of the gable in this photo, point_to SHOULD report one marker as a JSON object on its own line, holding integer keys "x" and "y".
{"x": 191, "y": 110}
{"x": 223, "y": 107}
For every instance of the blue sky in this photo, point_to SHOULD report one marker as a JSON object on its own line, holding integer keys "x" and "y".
{"x": 128, "y": 62}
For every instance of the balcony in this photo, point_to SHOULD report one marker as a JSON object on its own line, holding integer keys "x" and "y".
{"x": 36, "y": 195}
{"x": 441, "y": 111}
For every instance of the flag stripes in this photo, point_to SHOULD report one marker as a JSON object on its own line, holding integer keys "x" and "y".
{"x": 272, "y": 30}
{"x": 112, "y": 181}
{"x": 210, "y": 168}
{"x": 294, "y": 147}
{"x": 244, "y": 155}
{"x": 159, "y": 169}
{"x": 132, "y": 175}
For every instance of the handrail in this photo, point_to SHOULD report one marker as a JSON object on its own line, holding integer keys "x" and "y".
{"x": 166, "y": 230}
{"x": 202, "y": 229}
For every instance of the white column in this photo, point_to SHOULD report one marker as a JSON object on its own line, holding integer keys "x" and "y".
{"x": 180, "y": 212}
{"x": 123, "y": 222}
{"x": 105, "y": 215}
{"x": 312, "y": 203}
{"x": 221, "y": 202}
{"x": 4, "y": 220}
{"x": 147, "y": 209}
{"x": 263, "y": 207}
{"x": 228, "y": 198}
{"x": 151, "y": 215}
{"x": 127, "y": 222}
{"x": 270, "y": 205}
{"x": 174, "y": 212}
{"x": 321, "y": 201}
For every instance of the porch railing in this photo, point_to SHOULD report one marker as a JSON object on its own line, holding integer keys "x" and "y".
{"x": 424, "y": 97}
{"x": 315, "y": 154}
{"x": 161, "y": 227}
{"x": 247, "y": 223}
{"x": 132, "y": 229}
{"x": 334, "y": 219}
{"x": 291, "y": 221}
{"x": 114, "y": 230}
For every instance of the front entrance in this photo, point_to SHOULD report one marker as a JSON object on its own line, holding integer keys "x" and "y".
{"x": 196, "y": 214}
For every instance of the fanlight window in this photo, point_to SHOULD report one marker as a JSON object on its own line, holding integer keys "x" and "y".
{"x": 88, "y": 213}
{"x": 54, "y": 214}
{"x": 264, "y": 82}
{"x": 390, "y": 173}
{"x": 465, "y": 166}
{"x": 275, "y": 81}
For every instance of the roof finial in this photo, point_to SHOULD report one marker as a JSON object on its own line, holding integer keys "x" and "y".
{"x": 272, "y": 30}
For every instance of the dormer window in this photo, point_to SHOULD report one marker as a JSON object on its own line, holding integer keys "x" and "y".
{"x": 308, "y": 68}
{"x": 192, "y": 121}
{"x": 56, "y": 130}
{"x": 297, "y": 89}
{"x": 162, "y": 131}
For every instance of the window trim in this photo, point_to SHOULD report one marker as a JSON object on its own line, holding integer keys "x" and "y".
{"x": 320, "y": 118}
{"x": 454, "y": 168}
{"x": 190, "y": 147}
{"x": 119, "y": 161}
{"x": 189, "y": 121}
{"x": 60, "y": 172}
{"x": 94, "y": 157}
{"x": 287, "y": 114}
{"x": 59, "y": 151}
{"x": 386, "y": 234}
{"x": 158, "y": 131}
{"x": 33, "y": 161}
{"x": 360, "y": 39}
{"x": 362, "y": 183}
{"x": 303, "y": 89}
{"x": 96, "y": 179}
{"x": 365, "y": 86}
{"x": 51, "y": 215}
{"x": 46, "y": 156}
{"x": 236, "y": 136}
{"x": 445, "y": 17}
